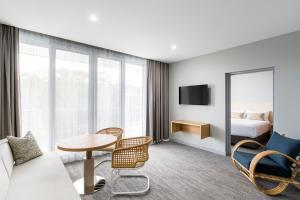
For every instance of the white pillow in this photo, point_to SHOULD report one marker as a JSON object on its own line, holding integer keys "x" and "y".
{"x": 266, "y": 114}
{"x": 243, "y": 113}
{"x": 237, "y": 115}
{"x": 255, "y": 116}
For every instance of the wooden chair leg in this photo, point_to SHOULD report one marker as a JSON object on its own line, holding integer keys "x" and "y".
{"x": 278, "y": 189}
{"x": 282, "y": 181}
{"x": 297, "y": 185}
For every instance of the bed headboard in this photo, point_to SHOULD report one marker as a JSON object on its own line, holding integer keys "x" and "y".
{"x": 253, "y": 106}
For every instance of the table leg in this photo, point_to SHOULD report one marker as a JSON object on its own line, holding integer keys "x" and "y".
{"x": 86, "y": 185}
{"x": 88, "y": 173}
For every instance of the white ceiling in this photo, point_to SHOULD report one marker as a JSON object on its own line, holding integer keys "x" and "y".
{"x": 148, "y": 28}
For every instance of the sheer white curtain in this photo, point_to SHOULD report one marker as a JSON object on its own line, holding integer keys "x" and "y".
{"x": 34, "y": 75}
{"x": 134, "y": 99}
{"x": 71, "y": 95}
{"x": 109, "y": 99}
{"x": 69, "y": 89}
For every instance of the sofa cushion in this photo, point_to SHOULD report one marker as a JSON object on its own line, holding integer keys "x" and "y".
{"x": 285, "y": 145}
{"x": 25, "y": 148}
{"x": 42, "y": 178}
{"x": 4, "y": 180}
{"x": 265, "y": 165}
{"x": 7, "y": 156}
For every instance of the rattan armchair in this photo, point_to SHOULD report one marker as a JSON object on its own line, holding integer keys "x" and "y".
{"x": 115, "y": 131}
{"x": 264, "y": 166}
{"x": 130, "y": 153}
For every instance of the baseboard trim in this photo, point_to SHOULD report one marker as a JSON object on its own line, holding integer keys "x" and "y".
{"x": 198, "y": 146}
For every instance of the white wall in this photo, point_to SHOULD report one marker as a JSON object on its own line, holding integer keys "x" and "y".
{"x": 256, "y": 86}
{"x": 252, "y": 91}
{"x": 283, "y": 52}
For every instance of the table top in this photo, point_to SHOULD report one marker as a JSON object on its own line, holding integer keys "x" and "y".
{"x": 87, "y": 142}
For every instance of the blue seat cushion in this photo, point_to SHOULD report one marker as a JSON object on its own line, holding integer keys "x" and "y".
{"x": 285, "y": 145}
{"x": 265, "y": 165}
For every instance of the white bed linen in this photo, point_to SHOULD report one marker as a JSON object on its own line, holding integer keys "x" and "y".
{"x": 249, "y": 128}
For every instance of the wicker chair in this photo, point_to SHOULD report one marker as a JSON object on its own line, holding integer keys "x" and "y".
{"x": 118, "y": 132}
{"x": 130, "y": 153}
{"x": 276, "y": 164}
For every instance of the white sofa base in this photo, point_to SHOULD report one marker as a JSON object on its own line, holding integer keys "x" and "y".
{"x": 43, "y": 178}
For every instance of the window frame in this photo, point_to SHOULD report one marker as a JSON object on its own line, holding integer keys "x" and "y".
{"x": 54, "y": 44}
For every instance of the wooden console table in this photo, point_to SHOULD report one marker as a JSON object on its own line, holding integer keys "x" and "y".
{"x": 199, "y": 128}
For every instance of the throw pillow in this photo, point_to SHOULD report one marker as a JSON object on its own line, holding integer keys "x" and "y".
{"x": 285, "y": 145}
{"x": 255, "y": 116}
{"x": 25, "y": 148}
{"x": 237, "y": 115}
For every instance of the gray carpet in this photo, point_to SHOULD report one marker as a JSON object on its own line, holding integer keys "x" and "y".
{"x": 181, "y": 172}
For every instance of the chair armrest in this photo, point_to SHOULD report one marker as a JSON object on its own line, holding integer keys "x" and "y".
{"x": 124, "y": 157}
{"x": 120, "y": 143}
{"x": 131, "y": 142}
{"x": 263, "y": 154}
{"x": 240, "y": 143}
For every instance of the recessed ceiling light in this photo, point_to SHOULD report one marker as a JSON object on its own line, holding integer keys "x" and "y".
{"x": 173, "y": 47}
{"x": 93, "y": 18}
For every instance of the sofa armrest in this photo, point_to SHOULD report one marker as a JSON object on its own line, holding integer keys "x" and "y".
{"x": 266, "y": 153}
{"x": 240, "y": 143}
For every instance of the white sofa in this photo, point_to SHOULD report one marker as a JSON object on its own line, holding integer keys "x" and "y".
{"x": 43, "y": 178}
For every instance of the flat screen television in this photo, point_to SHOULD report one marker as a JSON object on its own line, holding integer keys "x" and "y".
{"x": 194, "y": 95}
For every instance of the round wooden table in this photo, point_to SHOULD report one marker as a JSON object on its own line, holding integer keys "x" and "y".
{"x": 88, "y": 143}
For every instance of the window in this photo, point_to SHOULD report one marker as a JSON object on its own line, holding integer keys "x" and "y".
{"x": 134, "y": 100}
{"x": 69, "y": 89}
{"x": 71, "y": 92}
{"x": 108, "y": 93}
{"x": 34, "y": 81}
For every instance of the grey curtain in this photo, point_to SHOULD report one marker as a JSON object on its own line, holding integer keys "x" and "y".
{"x": 9, "y": 82}
{"x": 157, "y": 124}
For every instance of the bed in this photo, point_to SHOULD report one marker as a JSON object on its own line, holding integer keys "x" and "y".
{"x": 257, "y": 130}
{"x": 249, "y": 128}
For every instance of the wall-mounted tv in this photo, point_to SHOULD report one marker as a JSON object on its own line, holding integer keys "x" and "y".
{"x": 194, "y": 95}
